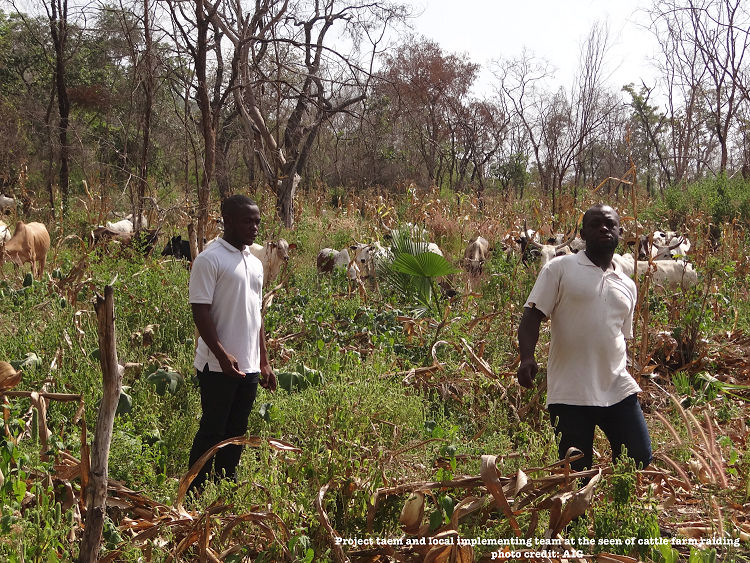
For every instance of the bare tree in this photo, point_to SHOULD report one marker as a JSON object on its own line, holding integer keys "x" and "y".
{"x": 311, "y": 79}
{"x": 705, "y": 43}
{"x": 63, "y": 33}
{"x": 201, "y": 37}
{"x": 138, "y": 34}
{"x": 559, "y": 126}
{"x": 57, "y": 12}
{"x": 483, "y": 129}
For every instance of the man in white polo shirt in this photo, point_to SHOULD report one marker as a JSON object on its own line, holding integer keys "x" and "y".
{"x": 226, "y": 283}
{"x": 590, "y": 304}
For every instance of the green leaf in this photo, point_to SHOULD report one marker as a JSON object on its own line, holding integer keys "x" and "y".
{"x": 165, "y": 380}
{"x": 447, "y": 504}
{"x": 436, "y": 520}
{"x": 296, "y": 381}
{"x": 19, "y": 489}
{"x": 287, "y": 379}
{"x": 426, "y": 264}
{"x": 268, "y": 412}
{"x": 125, "y": 404}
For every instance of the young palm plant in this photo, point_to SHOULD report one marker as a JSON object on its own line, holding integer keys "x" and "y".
{"x": 413, "y": 271}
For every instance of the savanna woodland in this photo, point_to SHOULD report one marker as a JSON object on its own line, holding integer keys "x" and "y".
{"x": 399, "y": 431}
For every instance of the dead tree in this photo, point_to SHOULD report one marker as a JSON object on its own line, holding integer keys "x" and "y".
{"x": 96, "y": 491}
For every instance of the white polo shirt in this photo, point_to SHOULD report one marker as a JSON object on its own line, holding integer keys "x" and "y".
{"x": 591, "y": 315}
{"x": 231, "y": 281}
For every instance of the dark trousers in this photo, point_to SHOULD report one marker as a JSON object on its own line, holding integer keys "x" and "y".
{"x": 226, "y": 403}
{"x": 622, "y": 423}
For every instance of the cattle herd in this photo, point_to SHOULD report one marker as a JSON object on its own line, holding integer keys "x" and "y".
{"x": 662, "y": 253}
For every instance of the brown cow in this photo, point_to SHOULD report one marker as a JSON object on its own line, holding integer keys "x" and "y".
{"x": 29, "y": 243}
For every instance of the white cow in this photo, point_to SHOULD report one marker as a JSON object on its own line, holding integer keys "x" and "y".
{"x": 555, "y": 246}
{"x": 273, "y": 255}
{"x": 6, "y": 203}
{"x": 4, "y": 233}
{"x": 475, "y": 255}
{"x": 123, "y": 226}
{"x": 664, "y": 272}
{"x": 664, "y": 245}
{"x": 329, "y": 259}
{"x": 549, "y": 251}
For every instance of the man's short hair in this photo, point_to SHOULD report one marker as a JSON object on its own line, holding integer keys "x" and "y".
{"x": 230, "y": 204}
{"x": 597, "y": 207}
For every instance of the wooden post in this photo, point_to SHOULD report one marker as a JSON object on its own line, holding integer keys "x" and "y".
{"x": 96, "y": 491}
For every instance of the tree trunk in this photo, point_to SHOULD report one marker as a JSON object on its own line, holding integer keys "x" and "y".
{"x": 50, "y": 164}
{"x": 285, "y": 191}
{"x": 59, "y": 31}
{"x": 96, "y": 491}
{"x": 207, "y": 129}
{"x": 147, "y": 81}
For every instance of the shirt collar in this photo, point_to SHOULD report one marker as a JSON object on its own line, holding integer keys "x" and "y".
{"x": 584, "y": 260}
{"x": 231, "y": 248}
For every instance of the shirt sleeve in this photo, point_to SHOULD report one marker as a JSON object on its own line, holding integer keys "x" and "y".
{"x": 202, "y": 281}
{"x": 544, "y": 294}
{"x": 627, "y": 324}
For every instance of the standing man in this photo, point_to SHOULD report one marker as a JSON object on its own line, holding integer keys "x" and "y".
{"x": 590, "y": 303}
{"x": 226, "y": 282}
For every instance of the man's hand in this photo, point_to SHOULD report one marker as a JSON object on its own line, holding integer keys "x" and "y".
{"x": 267, "y": 378}
{"x": 527, "y": 372}
{"x": 230, "y": 366}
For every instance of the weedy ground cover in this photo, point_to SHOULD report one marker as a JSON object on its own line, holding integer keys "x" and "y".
{"x": 382, "y": 404}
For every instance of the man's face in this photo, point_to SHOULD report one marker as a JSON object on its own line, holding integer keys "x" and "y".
{"x": 601, "y": 229}
{"x": 241, "y": 224}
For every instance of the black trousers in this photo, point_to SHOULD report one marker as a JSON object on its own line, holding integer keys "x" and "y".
{"x": 226, "y": 403}
{"x": 622, "y": 423}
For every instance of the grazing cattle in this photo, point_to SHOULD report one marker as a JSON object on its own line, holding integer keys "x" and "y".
{"x": 577, "y": 244}
{"x": 360, "y": 264}
{"x": 123, "y": 226}
{"x": 662, "y": 245}
{"x": 664, "y": 272}
{"x": 144, "y": 240}
{"x": 475, "y": 256}
{"x": 547, "y": 251}
{"x": 105, "y": 234}
{"x": 177, "y": 247}
{"x": 329, "y": 259}
{"x": 417, "y": 236}
{"x": 4, "y": 233}
{"x": 273, "y": 254}
{"x": 369, "y": 257}
{"x": 6, "y": 203}
{"x": 29, "y": 243}
{"x": 129, "y": 217}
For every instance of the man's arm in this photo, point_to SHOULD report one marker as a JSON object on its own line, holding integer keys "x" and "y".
{"x": 528, "y": 335}
{"x": 267, "y": 376}
{"x": 207, "y": 331}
